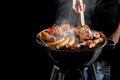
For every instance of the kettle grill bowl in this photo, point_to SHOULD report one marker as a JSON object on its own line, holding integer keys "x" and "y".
{"x": 74, "y": 59}
{"x": 68, "y": 58}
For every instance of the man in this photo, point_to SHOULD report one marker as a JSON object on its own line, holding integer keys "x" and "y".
{"x": 103, "y": 15}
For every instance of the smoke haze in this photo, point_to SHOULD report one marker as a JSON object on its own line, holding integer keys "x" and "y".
{"x": 66, "y": 14}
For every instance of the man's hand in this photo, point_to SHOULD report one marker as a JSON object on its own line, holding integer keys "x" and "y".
{"x": 78, "y": 6}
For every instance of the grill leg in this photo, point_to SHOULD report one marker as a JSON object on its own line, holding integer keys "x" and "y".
{"x": 92, "y": 67}
{"x": 61, "y": 76}
{"x": 81, "y": 75}
{"x": 54, "y": 72}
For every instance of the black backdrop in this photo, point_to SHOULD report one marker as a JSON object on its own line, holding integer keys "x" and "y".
{"x": 42, "y": 16}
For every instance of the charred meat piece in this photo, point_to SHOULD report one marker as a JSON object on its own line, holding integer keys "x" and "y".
{"x": 44, "y": 35}
{"x": 71, "y": 42}
{"x": 63, "y": 43}
{"x": 49, "y": 44}
{"x": 84, "y": 32}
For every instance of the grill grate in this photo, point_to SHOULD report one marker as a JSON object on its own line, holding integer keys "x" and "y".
{"x": 67, "y": 50}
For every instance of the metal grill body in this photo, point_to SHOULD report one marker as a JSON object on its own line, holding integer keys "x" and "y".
{"x": 65, "y": 59}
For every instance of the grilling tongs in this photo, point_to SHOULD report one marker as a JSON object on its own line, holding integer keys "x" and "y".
{"x": 84, "y": 30}
{"x": 82, "y": 14}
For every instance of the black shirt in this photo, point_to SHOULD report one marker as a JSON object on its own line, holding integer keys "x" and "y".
{"x": 105, "y": 16}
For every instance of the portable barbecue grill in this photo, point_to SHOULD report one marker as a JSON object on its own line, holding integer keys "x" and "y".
{"x": 67, "y": 57}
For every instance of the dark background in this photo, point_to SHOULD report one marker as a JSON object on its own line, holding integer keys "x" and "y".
{"x": 42, "y": 17}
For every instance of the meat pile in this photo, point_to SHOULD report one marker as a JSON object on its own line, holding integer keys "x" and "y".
{"x": 70, "y": 37}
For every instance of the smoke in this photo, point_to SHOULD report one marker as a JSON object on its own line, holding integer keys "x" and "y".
{"x": 65, "y": 14}
{"x": 89, "y": 10}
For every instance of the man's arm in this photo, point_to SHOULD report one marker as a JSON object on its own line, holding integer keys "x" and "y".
{"x": 116, "y": 35}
